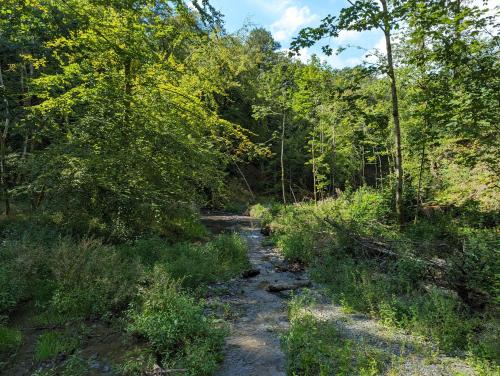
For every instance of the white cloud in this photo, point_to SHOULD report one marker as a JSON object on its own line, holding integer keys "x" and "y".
{"x": 304, "y": 55}
{"x": 291, "y": 20}
{"x": 371, "y": 56}
{"x": 339, "y": 62}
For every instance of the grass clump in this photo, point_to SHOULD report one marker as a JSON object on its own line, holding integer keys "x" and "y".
{"x": 91, "y": 279}
{"x": 175, "y": 326}
{"x": 51, "y": 344}
{"x": 315, "y": 347}
{"x": 10, "y": 339}
{"x": 200, "y": 264}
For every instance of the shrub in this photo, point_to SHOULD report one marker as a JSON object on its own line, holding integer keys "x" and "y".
{"x": 199, "y": 264}
{"x": 51, "y": 344}
{"x": 265, "y": 212}
{"x": 334, "y": 237}
{"x": 147, "y": 250}
{"x": 297, "y": 246}
{"x": 258, "y": 211}
{"x": 10, "y": 339}
{"x": 24, "y": 272}
{"x": 174, "y": 324}
{"x": 91, "y": 279}
{"x": 438, "y": 316}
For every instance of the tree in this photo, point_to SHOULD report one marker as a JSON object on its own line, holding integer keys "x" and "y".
{"x": 360, "y": 16}
{"x": 275, "y": 101}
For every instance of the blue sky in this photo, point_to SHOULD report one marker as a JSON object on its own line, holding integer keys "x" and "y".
{"x": 284, "y": 18}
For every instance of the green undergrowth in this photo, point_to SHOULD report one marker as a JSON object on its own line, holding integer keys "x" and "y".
{"x": 150, "y": 284}
{"x": 455, "y": 308}
{"x": 174, "y": 324}
{"x": 51, "y": 344}
{"x": 316, "y": 348}
{"x": 10, "y": 339}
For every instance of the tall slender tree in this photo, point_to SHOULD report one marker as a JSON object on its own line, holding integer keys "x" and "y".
{"x": 359, "y": 16}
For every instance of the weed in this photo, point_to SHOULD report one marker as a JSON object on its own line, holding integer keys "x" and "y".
{"x": 315, "y": 347}
{"x": 174, "y": 324}
{"x": 51, "y": 344}
{"x": 10, "y": 339}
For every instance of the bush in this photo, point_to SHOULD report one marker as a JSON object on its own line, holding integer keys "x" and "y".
{"x": 440, "y": 316}
{"x": 258, "y": 211}
{"x": 333, "y": 235}
{"x": 91, "y": 279}
{"x": 199, "y": 264}
{"x": 174, "y": 324}
{"x": 265, "y": 212}
{"x": 24, "y": 272}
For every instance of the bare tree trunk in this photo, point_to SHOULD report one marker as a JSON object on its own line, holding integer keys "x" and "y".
{"x": 334, "y": 156}
{"x": 282, "y": 158}
{"x": 244, "y": 179}
{"x": 395, "y": 115}
{"x": 380, "y": 171}
{"x": 314, "y": 171}
{"x": 363, "y": 165}
{"x": 127, "y": 92}
{"x": 3, "y": 147}
{"x": 290, "y": 183}
{"x": 420, "y": 173}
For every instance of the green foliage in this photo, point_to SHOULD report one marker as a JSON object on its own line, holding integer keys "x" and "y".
{"x": 332, "y": 237}
{"x": 51, "y": 344}
{"x": 10, "y": 339}
{"x": 91, "y": 280}
{"x": 258, "y": 211}
{"x": 174, "y": 324}
{"x": 136, "y": 361}
{"x": 265, "y": 212}
{"x": 24, "y": 270}
{"x": 315, "y": 347}
{"x": 75, "y": 366}
{"x": 219, "y": 259}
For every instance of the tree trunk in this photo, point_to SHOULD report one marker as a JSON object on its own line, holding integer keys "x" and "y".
{"x": 334, "y": 155}
{"x": 245, "y": 180}
{"x": 419, "y": 188}
{"x": 314, "y": 170}
{"x": 3, "y": 147}
{"x": 127, "y": 91}
{"x": 282, "y": 158}
{"x": 395, "y": 115}
{"x": 380, "y": 171}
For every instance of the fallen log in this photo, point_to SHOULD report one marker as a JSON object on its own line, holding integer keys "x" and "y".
{"x": 277, "y": 287}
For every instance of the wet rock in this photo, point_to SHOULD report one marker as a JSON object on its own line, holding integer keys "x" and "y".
{"x": 294, "y": 267}
{"x": 250, "y": 273}
{"x": 276, "y": 287}
{"x": 265, "y": 230}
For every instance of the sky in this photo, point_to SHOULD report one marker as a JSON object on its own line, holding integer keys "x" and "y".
{"x": 284, "y": 18}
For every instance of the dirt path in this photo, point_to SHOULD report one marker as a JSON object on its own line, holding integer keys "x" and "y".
{"x": 258, "y": 316}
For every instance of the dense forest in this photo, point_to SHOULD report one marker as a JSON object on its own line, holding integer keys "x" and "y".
{"x": 123, "y": 121}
